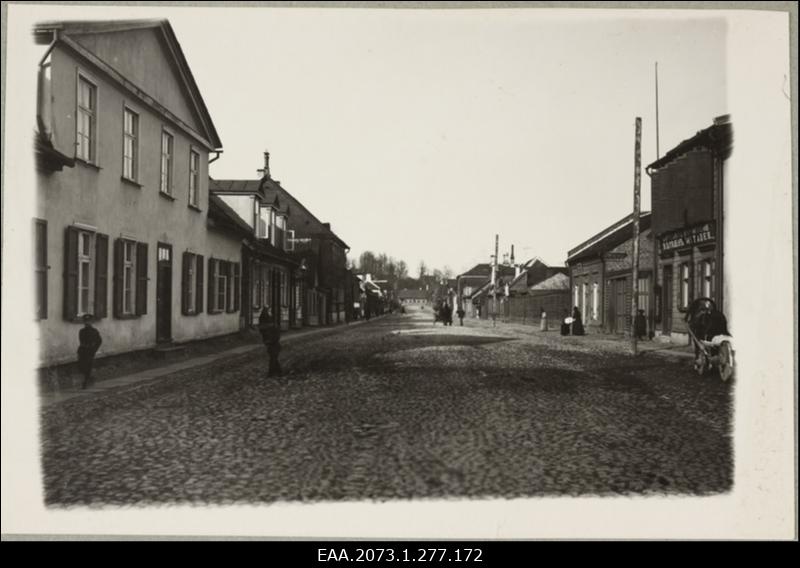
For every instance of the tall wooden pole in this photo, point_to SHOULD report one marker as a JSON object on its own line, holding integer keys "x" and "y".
{"x": 658, "y": 152}
{"x": 637, "y": 182}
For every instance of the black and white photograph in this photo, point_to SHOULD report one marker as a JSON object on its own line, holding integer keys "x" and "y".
{"x": 411, "y": 271}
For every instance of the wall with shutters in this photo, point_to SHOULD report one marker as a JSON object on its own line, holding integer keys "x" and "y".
{"x": 96, "y": 196}
{"x": 587, "y": 273}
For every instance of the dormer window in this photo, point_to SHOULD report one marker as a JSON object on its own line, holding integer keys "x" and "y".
{"x": 263, "y": 224}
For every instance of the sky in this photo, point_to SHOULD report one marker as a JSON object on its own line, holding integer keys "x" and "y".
{"x": 421, "y": 134}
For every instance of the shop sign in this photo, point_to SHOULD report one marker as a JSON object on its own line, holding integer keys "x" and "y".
{"x": 685, "y": 238}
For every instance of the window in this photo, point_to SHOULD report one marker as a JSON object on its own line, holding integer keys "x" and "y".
{"x": 167, "y": 142}
{"x": 192, "y": 284}
{"x": 223, "y": 286}
{"x": 86, "y": 117}
{"x": 85, "y": 262}
{"x": 595, "y": 300}
{"x": 40, "y": 254}
{"x": 130, "y": 145}
{"x": 221, "y": 279}
{"x": 130, "y": 278}
{"x": 686, "y": 285}
{"x": 262, "y": 224}
{"x": 85, "y": 273}
{"x": 284, "y": 289}
{"x": 194, "y": 177}
{"x": 707, "y": 268}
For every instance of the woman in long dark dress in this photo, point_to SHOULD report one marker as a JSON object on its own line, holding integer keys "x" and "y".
{"x": 577, "y": 322}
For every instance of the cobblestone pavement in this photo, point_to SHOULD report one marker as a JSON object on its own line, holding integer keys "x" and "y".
{"x": 398, "y": 409}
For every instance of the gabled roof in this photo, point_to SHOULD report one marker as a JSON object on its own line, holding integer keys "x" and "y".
{"x": 43, "y": 33}
{"x": 555, "y": 282}
{"x": 270, "y": 192}
{"x": 610, "y": 237}
{"x": 485, "y": 269}
{"x": 718, "y": 137}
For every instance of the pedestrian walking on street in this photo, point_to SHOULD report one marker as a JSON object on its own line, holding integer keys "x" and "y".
{"x": 543, "y": 320}
{"x": 577, "y": 322}
{"x": 640, "y": 325}
{"x": 271, "y": 336}
{"x": 566, "y": 323}
{"x": 447, "y": 311}
{"x": 461, "y": 314}
{"x": 89, "y": 342}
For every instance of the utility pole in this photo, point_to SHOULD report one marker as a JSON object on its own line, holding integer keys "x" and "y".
{"x": 637, "y": 182}
{"x": 658, "y": 152}
{"x": 494, "y": 280}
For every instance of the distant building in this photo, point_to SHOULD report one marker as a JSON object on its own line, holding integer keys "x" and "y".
{"x": 475, "y": 279}
{"x": 601, "y": 276}
{"x": 688, "y": 187}
{"x": 536, "y": 287}
{"x": 407, "y": 297}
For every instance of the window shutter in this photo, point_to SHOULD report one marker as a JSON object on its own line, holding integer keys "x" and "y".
{"x": 290, "y": 240}
{"x": 198, "y": 297}
{"x": 71, "y": 273}
{"x": 141, "y": 278}
{"x": 42, "y": 267}
{"x": 237, "y": 283}
{"x": 212, "y": 284}
{"x": 187, "y": 259}
{"x": 119, "y": 259}
{"x": 101, "y": 276}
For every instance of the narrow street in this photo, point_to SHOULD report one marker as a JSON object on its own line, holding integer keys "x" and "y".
{"x": 398, "y": 408}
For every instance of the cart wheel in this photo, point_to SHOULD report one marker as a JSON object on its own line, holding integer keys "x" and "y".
{"x": 725, "y": 361}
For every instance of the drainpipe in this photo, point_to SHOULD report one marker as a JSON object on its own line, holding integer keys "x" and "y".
{"x": 215, "y": 158}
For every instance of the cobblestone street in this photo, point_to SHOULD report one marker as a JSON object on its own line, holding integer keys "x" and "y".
{"x": 398, "y": 408}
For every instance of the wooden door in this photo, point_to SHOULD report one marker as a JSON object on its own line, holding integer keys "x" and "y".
{"x": 164, "y": 294}
{"x": 666, "y": 302}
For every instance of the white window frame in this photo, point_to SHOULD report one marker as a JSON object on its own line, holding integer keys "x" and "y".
{"x": 576, "y": 295}
{"x": 708, "y": 278}
{"x": 191, "y": 291}
{"x": 166, "y": 172}
{"x": 221, "y": 287}
{"x": 134, "y": 137}
{"x": 89, "y": 260}
{"x": 264, "y": 212}
{"x": 194, "y": 178}
{"x": 92, "y": 113}
{"x": 686, "y": 284}
{"x": 129, "y": 277}
{"x": 595, "y": 300}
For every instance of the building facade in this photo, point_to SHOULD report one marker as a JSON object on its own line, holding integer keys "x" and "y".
{"x": 122, "y": 230}
{"x": 601, "y": 276}
{"x": 688, "y": 186}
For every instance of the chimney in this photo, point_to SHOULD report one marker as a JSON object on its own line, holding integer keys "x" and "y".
{"x": 512, "y": 254}
{"x": 265, "y": 171}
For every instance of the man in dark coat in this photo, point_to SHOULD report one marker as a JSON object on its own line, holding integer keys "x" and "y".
{"x": 461, "y": 314}
{"x": 271, "y": 336}
{"x": 89, "y": 342}
{"x": 577, "y": 322}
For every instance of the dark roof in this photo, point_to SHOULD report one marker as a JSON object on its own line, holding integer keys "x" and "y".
{"x": 485, "y": 269}
{"x": 43, "y": 33}
{"x": 609, "y": 238}
{"x": 270, "y": 192}
{"x": 718, "y": 137}
{"x": 412, "y": 295}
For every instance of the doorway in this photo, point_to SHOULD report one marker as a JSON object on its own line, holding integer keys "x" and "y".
{"x": 164, "y": 294}
{"x": 666, "y": 303}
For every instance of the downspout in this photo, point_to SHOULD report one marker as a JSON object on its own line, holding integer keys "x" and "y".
{"x": 215, "y": 158}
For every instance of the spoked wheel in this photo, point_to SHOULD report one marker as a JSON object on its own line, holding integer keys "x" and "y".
{"x": 726, "y": 363}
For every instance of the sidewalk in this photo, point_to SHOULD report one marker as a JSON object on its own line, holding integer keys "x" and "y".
{"x": 602, "y": 341}
{"x": 49, "y": 398}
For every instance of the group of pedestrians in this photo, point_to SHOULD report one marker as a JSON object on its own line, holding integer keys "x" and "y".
{"x": 572, "y": 325}
{"x": 444, "y": 313}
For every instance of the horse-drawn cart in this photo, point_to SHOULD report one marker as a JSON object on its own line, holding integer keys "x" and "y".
{"x": 713, "y": 344}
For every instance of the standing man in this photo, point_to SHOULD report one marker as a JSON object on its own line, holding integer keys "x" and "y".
{"x": 89, "y": 342}
{"x": 271, "y": 336}
{"x": 460, "y": 313}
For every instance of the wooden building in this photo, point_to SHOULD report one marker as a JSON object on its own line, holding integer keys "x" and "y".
{"x": 688, "y": 187}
